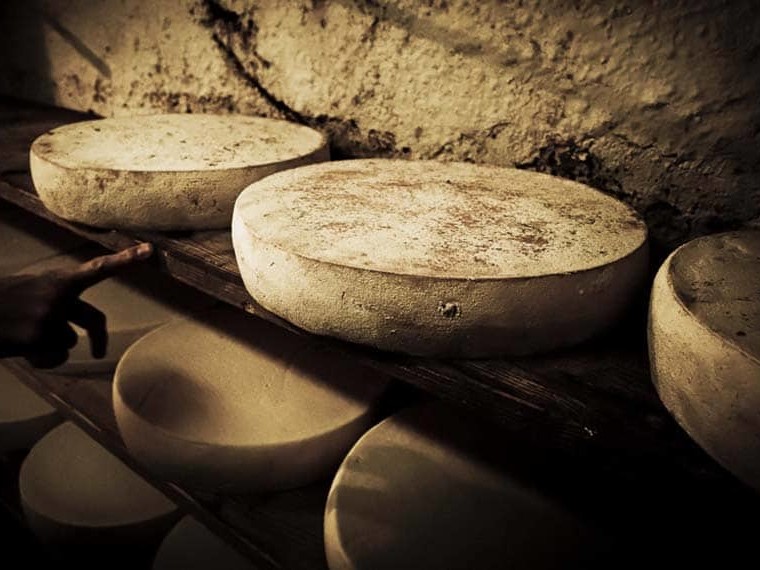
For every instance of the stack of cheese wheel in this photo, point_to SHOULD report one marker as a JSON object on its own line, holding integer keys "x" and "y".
{"x": 444, "y": 259}
{"x": 134, "y": 305}
{"x": 229, "y": 402}
{"x": 25, "y": 239}
{"x": 191, "y": 546}
{"x": 75, "y": 493}
{"x": 24, "y": 416}
{"x": 165, "y": 172}
{"x": 704, "y": 345}
{"x": 420, "y": 490}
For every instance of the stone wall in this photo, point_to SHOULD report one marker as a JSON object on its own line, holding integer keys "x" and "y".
{"x": 657, "y": 103}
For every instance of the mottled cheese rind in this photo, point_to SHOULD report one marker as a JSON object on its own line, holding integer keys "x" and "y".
{"x": 163, "y": 172}
{"x": 703, "y": 346}
{"x": 440, "y": 259}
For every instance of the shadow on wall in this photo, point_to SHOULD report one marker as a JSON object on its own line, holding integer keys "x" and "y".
{"x": 22, "y": 47}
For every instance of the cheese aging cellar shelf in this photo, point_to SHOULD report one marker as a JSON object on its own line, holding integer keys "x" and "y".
{"x": 587, "y": 420}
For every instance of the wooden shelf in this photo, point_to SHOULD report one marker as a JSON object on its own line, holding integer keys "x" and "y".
{"x": 590, "y": 411}
{"x": 280, "y": 530}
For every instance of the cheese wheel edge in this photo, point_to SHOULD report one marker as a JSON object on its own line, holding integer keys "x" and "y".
{"x": 704, "y": 381}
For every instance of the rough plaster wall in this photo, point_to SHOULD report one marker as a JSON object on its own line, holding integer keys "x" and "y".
{"x": 657, "y": 103}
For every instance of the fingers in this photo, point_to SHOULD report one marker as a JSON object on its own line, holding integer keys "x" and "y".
{"x": 91, "y": 272}
{"x": 53, "y": 347}
{"x": 94, "y": 322}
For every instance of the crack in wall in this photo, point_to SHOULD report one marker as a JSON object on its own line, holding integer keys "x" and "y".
{"x": 237, "y": 66}
{"x": 235, "y": 25}
{"x": 346, "y": 138}
{"x": 217, "y": 17}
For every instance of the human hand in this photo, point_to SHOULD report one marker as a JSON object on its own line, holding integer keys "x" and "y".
{"x": 36, "y": 309}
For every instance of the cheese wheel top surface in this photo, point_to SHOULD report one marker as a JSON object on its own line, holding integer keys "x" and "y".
{"x": 18, "y": 402}
{"x": 717, "y": 279}
{"x": 70, "y": 478}
{"x": 449, "y": 220}
{"x": 176, "y": 142}
{"x": 229, "y": 379}
{"x": 417, "y": 490}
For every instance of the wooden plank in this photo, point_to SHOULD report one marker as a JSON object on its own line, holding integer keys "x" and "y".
{"x": 278, "y": 530}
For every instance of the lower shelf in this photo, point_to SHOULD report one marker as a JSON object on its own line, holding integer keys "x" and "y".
{"x": 279, "y": 530}
{"x": 650, "y": 507}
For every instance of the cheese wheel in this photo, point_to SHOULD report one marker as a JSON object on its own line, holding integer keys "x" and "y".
{"x": 419, "y": 491}
{"x": 163, "y": 172}
{"x": 74, "y": 492}
{"x": 24, "y": 416}
{"x": 228, "y": 402}
{"x": 191, "y": 546}
{"x": 442, "y": 259}
{"x": 704, "y": 346}
{"x": 134, "y": 305}
{"x": 25, "y": 239}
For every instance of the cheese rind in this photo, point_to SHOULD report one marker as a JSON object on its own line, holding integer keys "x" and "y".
{"x": 163, "y": 172}
{"x": 442, "y": 259}
{"x": 74, "y": 491}
{"x": 420, "y": 490}
{"x": 24, "y": 416}
{"x": 704, "y": 346}
{"x": 228, "y": 402}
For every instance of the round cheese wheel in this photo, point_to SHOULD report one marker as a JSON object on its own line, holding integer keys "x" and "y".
{"x": 24, "y": 416}
{"x": 191, "y": 546}
{"x": 418, "y": 491}
{"x": 134, "y": 305}
{"x": 163, "y": 172}
{"x": 231, "y": 403}
{"x": 443, "y": 259}
{"x": 73, "y": 491}
{"x": 704, "y": 346}
{"x": 25, "y": 239}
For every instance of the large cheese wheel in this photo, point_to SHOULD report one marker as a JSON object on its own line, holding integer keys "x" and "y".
{"x": 24, "y": 416}
{"x": 232, "y": 403}
{"x": 162, "y": 172}
{"x": 191, "y": 546}
{"x": 26, "y": 239}
{"x": 704, "y": 345}
{"x": 134, "y": 305}
{"x": 74, "y": 492}
{"x": 420, "y": 491}
{"x": 445, "y": 259}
